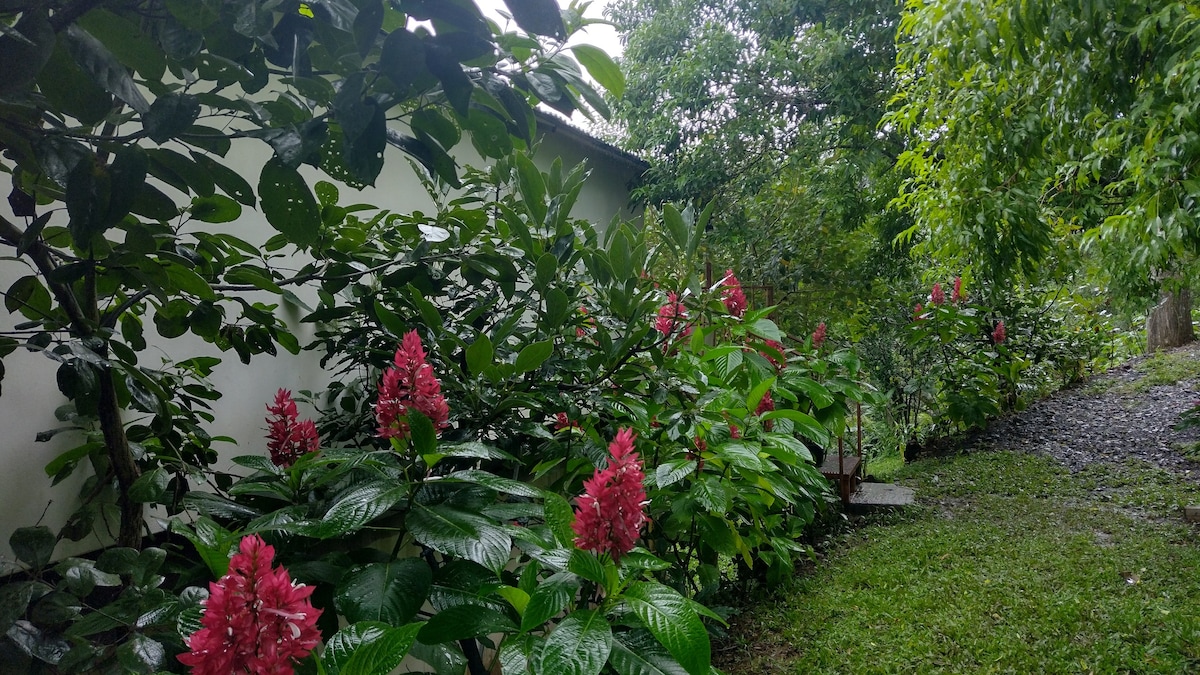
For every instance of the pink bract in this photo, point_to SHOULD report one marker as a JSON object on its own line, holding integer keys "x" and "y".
{"x": 732, "y": 295}
{"x": 610, "y": 513}
{"x": 255, "y": 622}
{"x": 288, "y": 437}
{"x": 409, "y": 385}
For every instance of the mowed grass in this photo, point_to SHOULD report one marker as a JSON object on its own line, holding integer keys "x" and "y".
{"x": 1009, "y": 564}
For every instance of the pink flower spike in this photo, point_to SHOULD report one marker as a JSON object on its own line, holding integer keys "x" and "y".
{"x": 732, "y": 295}
{"x": 410, "y": 384}
{"x": 937, "y": 296}
{"x": 818, "y": 336}
{"x": 609, "y": 515}
{"x": 917, "y": 316}
{"x": 734, "y": 432}
{"x": 999, "y": 335}
{"x": 672, "y": 316}
{"x": 255, "y": 620}
{"x": 956, "y": 296}
{"x": 288, "y": 437}
{"x": 766, "y": 404}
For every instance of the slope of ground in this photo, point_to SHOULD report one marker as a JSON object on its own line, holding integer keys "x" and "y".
{"x": 1052, "y": 543}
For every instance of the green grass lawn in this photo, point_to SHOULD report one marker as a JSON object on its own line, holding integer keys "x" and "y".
{"x": 1008, "y": 565}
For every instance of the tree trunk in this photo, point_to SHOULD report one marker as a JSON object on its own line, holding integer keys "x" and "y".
{"x": 1170, "y": 321}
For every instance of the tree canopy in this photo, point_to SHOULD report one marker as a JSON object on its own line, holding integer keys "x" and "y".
{"x": 773, "y": 110}
{"x": 1036, "y": 121}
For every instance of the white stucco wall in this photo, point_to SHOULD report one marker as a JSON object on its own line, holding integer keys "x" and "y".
{"x": 30, "y": 394}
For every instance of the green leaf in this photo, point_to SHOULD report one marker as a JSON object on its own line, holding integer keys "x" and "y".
{"x": 215, "y": 209}
{"x": 355, "y": 509}
{"x": 559, "y": 518}
{"x": 533, "y": 356}
{"x": 14, "y": 600}
{"x": 403, "y": 62}
{"x": 497, "y": 483}
{"x": 230, "y": 182}
{"x": 104, "y": 68}
{"x": 150, "y": 486}
{"x": 212, "y": 542}
{"x": 71, "y": 457}
{"x": 25, "y": 48}
{"x": 127, "y": 41}
{"x": 390, "y": 592}
{"x": 673, "y": 621}
{"x": 140, "y": 654}
{"x": 437, "y": 126}
{"x": 539, "y": 17}
{"x": 367, "y": 24}
{"x": 548, "y": 600}
{"x": 463, "y": 622}
{"x": 288, "y": 204}
{"x": 587, "y": 565}
{"x": 170, "y": 116}
{"x": 805, "y": 424}
{"x": 602, "y": 69}
{"x": 461, "y": 533}
{"x": 480, "y": 354}
{"x": 33, "y": 545}
{"x": 422, "y": 435}
{"x": 676, "y": 227}
{"x": 619, "y": 256}
{"x": 341, "y": 647}
{"x": 756, "y": 394}
{"x": 766, "y": 329}
{"x": 214, "y": 505}
{"x": 532, "y": 188}
{"x": 579, "y": 645}
{"x": 643, "y": 659}
{"x": 29, "y": 297}
{"x": 383, "y": 654}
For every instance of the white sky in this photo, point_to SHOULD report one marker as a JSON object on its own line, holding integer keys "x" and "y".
{"x": 604, "y": 37}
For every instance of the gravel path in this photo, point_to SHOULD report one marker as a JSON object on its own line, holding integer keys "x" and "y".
{"x": 1107, "y": 419}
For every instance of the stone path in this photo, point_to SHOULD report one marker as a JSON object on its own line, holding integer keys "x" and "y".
{"x": 1105, "y": 420}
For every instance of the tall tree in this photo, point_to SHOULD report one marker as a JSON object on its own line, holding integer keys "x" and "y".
{"x": 772, "y": 109}
{"x": 1035, "y": 121}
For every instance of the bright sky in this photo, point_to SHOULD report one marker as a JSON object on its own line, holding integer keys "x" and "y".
{"x": 604, "y": 37}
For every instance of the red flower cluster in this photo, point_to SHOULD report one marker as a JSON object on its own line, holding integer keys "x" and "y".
{"x": 956, "y": 296}
{"x": 671, "y": 316}
{"x": 734, "y": 432}
{"x": 937, "y": 296}
{"x": 410, "y": 385}
{"x": 732, "y": 296}
{"x": 917, "y": 312}
{"x": 562, "y": 422}
{"x": 288, "y": 437}
{"x": 611, "y": 511}
{"x": 999, "y": 334}
{"x": 767, "y": 404}
{"x": 818, "y": 336}
{"x": 255, "y": 621}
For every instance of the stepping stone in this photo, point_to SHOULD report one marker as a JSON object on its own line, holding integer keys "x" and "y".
{"x": 878, "y": 496}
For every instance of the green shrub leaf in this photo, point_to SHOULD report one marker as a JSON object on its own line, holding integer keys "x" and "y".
{"x": 580, "y": 645}
{"x": 674, "y": 622}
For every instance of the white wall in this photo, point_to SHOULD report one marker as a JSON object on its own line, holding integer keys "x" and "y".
{"x": 30, "y": 394}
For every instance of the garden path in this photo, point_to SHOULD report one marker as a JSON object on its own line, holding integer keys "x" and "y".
{"x": 1124, "y": 413}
